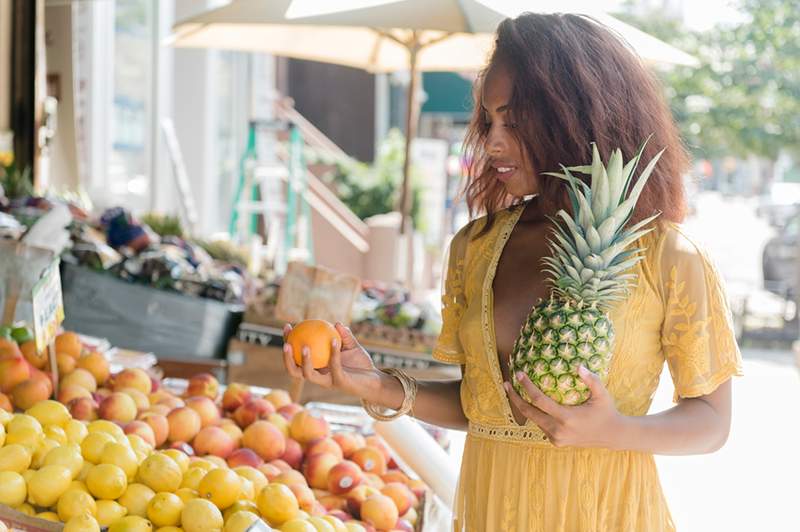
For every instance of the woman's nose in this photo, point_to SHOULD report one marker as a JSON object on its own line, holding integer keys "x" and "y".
{"x": 496, "y": 141}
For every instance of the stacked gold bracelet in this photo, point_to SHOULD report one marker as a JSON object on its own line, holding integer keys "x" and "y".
{"x": 409, "y": 385}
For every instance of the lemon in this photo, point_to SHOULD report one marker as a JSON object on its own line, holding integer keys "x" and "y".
{"x": 192, "y": 478}
{"x": 49, "y": 412}
{"x": 297, "y": 525}
{"x": 165, "y": 509}
{"x": 202, "y": 463}
{"x": 337, "y": 525}
{"x": 135, "y": 499}
{"x": 139, "y": 446}
{"x": 27, "y": 437}
{"x": 223, "y": 487}
{"x": 48, "y": 484}
{"x": 240, "y": 521}
{"x": 321, "y": 525}
{"x": 82, "y": 523}
{"x": 169, "y": 529}
{"x": 5, "y": 417}
{"x": 121, "y": 456}
{"x": 26, "y": 509}
{"x": 23, "y": 421}
{"x": 49, "y": 516}
{"x": 160, "y": 472}
{"x": 27, "y": 475}
{"x": 45, "y": 446}
{"x": 354, "y": 527}
{"x": 187, "y": 494}
{"x": 109, "y": 511}
{"x": 216, "y": 460}
{"x": 76, "y": 431}
{"x": 13, "y": 490}
{"x": 200, "y": 515}
{"x": 54, "y": 432}
{"x": 240, "y": 506}
{"x": 75, "y": 502}
{"x": 69, "y": 456}
{"x": 2, "y": 433}
{"x": 93, "y": 444}
{"x": 180, "y": 458}
{"x": 131, "y": 523}
{"x": 253, "y": 475}
{"x": 78, "y": 485}
{"x": 247, "y": 490}
{"x": 106, "y": 481}
{"x": 15, "y": 457}
{"x": 108, "y": 427}
{"x": 277, "y": 504}
{"x": 87, "y": 466}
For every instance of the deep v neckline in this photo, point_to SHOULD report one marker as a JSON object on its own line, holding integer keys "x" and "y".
{"x": 490, "y": 337}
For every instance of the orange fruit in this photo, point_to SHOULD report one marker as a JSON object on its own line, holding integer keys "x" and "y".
{"x": 317, "y": 335}
{"x": 37, "y": 359}
{"x": 69, "y": 343}
{"x": 9, "y": 349}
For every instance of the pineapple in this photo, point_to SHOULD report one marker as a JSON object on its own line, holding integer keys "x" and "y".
{"x": 589, "y": 271}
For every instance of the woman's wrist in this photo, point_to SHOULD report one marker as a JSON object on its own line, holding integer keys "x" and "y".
{"x": 622, "y": 433}
{"x": 386, "y": 390}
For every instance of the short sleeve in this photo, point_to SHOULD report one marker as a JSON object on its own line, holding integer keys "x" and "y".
{"x": 448, "y": 347}
{"x": 697, "y": 336}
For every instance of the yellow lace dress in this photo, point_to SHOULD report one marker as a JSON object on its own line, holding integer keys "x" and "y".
{"x": 512, "y": 479}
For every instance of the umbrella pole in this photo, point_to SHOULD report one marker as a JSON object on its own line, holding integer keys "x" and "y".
{"x": 412, "y": 117}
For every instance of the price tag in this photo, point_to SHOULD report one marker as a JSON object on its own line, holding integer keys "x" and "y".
{"x": 48, "y": 306}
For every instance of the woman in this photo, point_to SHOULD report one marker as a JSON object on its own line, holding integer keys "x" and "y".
{"x": 554, "y": 84}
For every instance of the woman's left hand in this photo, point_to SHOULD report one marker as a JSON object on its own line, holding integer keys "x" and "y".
{"x": 595, "y": 423}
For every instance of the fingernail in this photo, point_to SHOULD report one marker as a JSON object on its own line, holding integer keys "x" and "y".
{"x": 306, "y": 351}
{"x": 335, "y": 343}
{"x": 582, "y": 370}
{"x": 285, "y": 348}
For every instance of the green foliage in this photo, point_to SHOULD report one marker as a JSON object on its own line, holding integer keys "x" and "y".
{"x": 16, "y": 183}
{"x": 164, "y": 224}
{"x": 745, "y": 96}
{"x": 370, "y": 190}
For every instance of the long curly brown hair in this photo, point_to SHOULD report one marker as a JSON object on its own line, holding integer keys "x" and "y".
{"x": 576, "y": 82}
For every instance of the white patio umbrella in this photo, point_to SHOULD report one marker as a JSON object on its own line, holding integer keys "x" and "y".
{"x": 389, "y": 36}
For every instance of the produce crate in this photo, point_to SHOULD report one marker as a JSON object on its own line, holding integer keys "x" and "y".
{"x": 15, "y": 520}
{"x": 144, "y": 318}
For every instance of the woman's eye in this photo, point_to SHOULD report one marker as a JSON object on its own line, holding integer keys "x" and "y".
{"x": 511, "y": 126}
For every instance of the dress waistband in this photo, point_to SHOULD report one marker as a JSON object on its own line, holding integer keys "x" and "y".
{"x": 529, "y": 435}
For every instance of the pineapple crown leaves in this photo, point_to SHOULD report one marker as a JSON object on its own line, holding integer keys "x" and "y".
{"x": 589, "y": 250}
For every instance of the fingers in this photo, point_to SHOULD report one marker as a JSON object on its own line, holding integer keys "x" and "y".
{"x": 538, "y": 398}
{"x": 337, "y": 373}
{"x": 287, "y": 328}
{"x": 309, "y": 373}
{"x": 288, "y": 362}
{"x": 531, "y": 412}
{"x": 348, "y": 340}
{"x": 593, "y": 382}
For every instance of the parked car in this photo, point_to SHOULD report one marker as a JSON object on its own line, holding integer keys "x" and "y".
{"x": 780, "y": 203}
{"x": 780, "y": 259}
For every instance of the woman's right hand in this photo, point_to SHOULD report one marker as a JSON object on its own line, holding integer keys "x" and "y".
{"x": 350, "y": 369}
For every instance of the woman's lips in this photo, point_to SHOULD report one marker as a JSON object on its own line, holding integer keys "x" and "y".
{"x": 504, "y": 173}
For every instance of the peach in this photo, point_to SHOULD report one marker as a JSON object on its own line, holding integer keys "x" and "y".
{"x": 156, "y": 409}
{"x": 343, "y": 477}
{"x": 159, "y": 425}
{"x": 96, "y": 364}
{"x": 28, "y": 393}
{"x": 10, "y": 349}
{"x": 333, "y": 502}
{"x": 279, "y": 421}
{"x": 69, "y": 343}
{"x": 307, "y": 426}
{"x": 117, "y": 407}
{"x": 347, "y": 442}
{"x": 143, "y": 430}
{"x": 395, "y": 475}
{"x": 278, "y": 398}
{"x": 135, "y": 378}
{"x": 270, "y": 471}
{"x": 155, "y": 384}
{"x": 317, "y": 467}
{"x": 80, "y": 377}
{"x": 184, "y": 424}
{"x": 366, "y": 526}
{"x": 244, "y": 457}
{"x": 65, "y": 363}
{"x": 13, "y": 371}
{"x": 324, "y": 445}
{"x": 374, "y": 480}
{"x": 304, "y": 496}
{"x": 357, "y": 496}
{"x": 380, "y": 512}
{"x": 203, "y": 384}
{"x": 253, "y": 410}
{"x": 378, "y": 443}
{"x": 293, "y": 455}
{"x": 141, "y": 400}
{"x": 235, "y": 395}
{"x": 5, "y": 403}
{"x": 172, "y": 402}
{"x": 282, "y": 466}
{"x": 37, "y": 359}
{"x": 183, "y": 447}
{"x": 370, "y": 459}
{"x": 417, "y": 487}
{"x": 233, "y": 431}
{"x": 290, "y": 410}
{"x": 401, "y": 495}
{"x": 214, "y": 441}
{"x": 73, "y": 391}
{"x": 403, "y": 526}
{"x": 157, "y": 395}
{"x": 205, "y": 407}
{"x": 341, "y": 515}
{"x": 101, "y": 394}
{"x": 83, "y": 408}
{"x": 291, "y": 477}
{"x": 265, "y": 439}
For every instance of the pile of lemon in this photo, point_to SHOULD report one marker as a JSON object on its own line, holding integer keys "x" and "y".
{"x": 92, "y": 475}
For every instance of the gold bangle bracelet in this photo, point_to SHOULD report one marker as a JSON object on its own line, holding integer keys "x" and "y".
{"x": 409, "y": 385}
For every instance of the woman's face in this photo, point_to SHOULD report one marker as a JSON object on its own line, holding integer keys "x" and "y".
{"x": 507, "y": 159}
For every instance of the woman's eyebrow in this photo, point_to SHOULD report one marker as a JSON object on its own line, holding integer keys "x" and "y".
{"x": 503, "y": 108}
